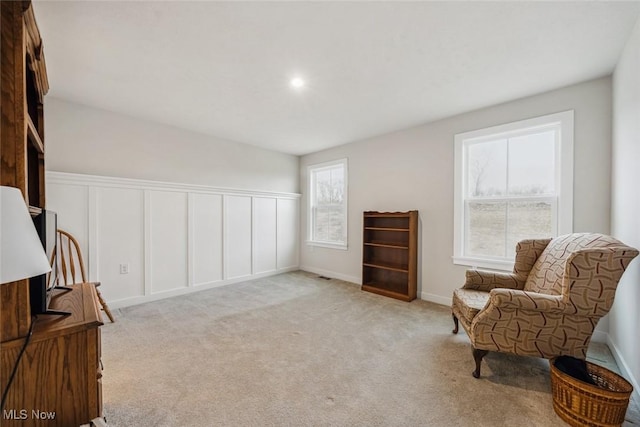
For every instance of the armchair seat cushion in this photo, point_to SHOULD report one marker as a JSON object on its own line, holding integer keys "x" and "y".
{"x": 468, "y": 303}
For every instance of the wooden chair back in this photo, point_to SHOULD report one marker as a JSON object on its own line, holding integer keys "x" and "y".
{"x": 70, "y": 264}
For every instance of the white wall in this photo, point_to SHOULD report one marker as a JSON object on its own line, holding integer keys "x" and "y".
{"x": 174, "y": 238}
{"x": 413, "y": 169}
{"x": 184, "y": 210}
{"x": 625, "y": 207}
{"x": 87, "y": 140}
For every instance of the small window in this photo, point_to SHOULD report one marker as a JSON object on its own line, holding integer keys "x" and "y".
{"x": 512, "y": 182}
{"x": 328, "y": 204}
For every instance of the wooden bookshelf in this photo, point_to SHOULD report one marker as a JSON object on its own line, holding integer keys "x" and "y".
{"x": 390, "y": 254}
{"x": 60, "y": 369}
{"x": 23, "y": 88}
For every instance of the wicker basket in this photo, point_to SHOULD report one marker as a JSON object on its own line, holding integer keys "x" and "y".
{"x": 582, "y": 404}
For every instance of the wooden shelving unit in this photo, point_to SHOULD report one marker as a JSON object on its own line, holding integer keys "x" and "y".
{"x": 389, "y": 254}
{"x": 60, "y": 369}
{"x": 23, "y": 88}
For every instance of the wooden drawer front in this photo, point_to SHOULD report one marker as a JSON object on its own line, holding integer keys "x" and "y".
{"x": 58, "y": 380}
{"x": 50, "y": 387}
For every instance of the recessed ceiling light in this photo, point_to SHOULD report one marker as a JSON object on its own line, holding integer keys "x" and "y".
{"x": 297, "y": 83}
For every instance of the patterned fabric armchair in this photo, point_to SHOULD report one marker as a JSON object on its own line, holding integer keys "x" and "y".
{"x": 551, "y": 302}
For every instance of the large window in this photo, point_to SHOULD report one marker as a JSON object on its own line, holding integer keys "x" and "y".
{"x": 512, "y": 182}
{"x": 328, "y": 204}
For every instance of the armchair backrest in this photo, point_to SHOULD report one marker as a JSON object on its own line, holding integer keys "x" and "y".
{"x": 584, "y": 268}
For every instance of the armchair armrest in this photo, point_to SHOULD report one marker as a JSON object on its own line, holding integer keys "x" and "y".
{"x": 513, "y": 298}
{"x": 481, "y": 280}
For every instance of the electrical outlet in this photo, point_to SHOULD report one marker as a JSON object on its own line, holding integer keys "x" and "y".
{"x": 124, "y": 268}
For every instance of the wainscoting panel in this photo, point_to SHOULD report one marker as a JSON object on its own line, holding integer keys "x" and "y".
{"x": 287, "y": 233}
{"x": 264, "y": 236}
{"x": 206, "y": 230}
{"x": 173, "y": 238}
{"x": 120, "y": 242}
{"x": 238, "y": 236}
{"x": 71, "y": 203}
{"x": 168, "y": 226}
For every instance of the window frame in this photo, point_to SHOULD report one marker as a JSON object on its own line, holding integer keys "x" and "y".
{"x": 311, "y": 170}
{"x": 561, "y": 201}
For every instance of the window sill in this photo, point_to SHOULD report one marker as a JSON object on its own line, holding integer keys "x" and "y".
{"x": 340, "y": 246}
{"x": 484, "y": 263}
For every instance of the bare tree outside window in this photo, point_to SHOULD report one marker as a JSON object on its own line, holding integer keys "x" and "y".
{"x": 503, "y": 175}
{"x": 513, "y": 181}
{"x": 328, "y": 204}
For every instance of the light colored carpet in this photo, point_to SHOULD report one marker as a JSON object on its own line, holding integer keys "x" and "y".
{"x": 296, "y": 350}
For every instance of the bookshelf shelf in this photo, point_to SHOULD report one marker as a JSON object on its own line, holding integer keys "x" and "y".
{"x": 389, "y": 260}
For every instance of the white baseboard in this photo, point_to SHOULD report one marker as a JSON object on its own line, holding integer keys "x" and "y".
{"x": 332, "y": 274}
{"x": 358, "y": 281}
{"x": 624, "y": 367}
{"x": 436, "y": 299}
{"x": 600, "y": 336}
{"x": 127, "y": 302}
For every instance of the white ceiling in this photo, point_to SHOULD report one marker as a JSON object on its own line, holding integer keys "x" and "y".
{"x": 222, "y": 68}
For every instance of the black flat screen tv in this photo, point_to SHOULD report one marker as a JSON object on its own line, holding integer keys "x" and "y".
{"x": 41, "y": 287}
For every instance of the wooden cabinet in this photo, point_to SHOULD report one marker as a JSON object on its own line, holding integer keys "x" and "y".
{"x": 390, "y": 254}
{"x": 58, "y": 381}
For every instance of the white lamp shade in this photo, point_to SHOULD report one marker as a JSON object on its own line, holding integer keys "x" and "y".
{"x": 21, "y": 253}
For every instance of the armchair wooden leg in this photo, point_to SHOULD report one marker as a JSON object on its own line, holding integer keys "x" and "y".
{"x": 104, "y": 305}
{"x": 477, "y": 356}
{"x": 455, "y": 323}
